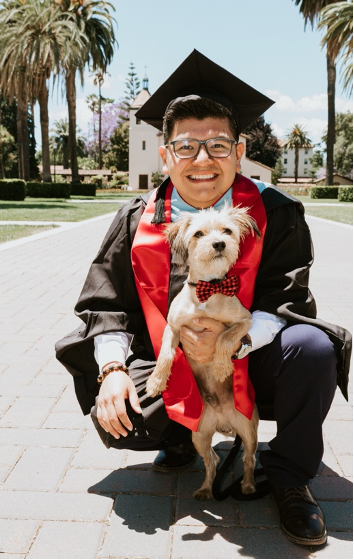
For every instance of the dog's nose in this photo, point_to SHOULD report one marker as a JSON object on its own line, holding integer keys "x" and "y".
{"x": 219, "y": 245}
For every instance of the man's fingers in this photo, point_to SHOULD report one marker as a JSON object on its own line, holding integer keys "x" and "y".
{"x": 134, "y": 400}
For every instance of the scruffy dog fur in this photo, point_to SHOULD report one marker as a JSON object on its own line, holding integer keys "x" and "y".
{"x": 209, "y": 242}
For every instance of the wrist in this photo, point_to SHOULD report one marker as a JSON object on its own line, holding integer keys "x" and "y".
{"x": 109, "y": 368}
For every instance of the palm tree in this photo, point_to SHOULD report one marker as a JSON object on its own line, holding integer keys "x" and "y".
{"x": 311, "y": 10}
{"x": 59, "y": 141}
{"x": 96, "y": 23}
{"x": 12, "y": 80}
{"x": 38, "y": 42}
{"x": 295, "y": 140}
{"x": 337, "y": 19}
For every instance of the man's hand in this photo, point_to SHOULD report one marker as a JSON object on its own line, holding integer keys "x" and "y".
{"x": 200, "y": 346}
{"x": 111, "y": 410}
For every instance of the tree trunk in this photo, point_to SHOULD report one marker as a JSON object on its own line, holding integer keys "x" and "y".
{"x": 331, "y": 132}
{"x": 25, "y": 136}
{"x": 43, "y": 105}
{"x": 71, "y": 99}
{"x": 20, "y": 117}
{"x": 296, "y": 163}
{"x": 99, "y": 128}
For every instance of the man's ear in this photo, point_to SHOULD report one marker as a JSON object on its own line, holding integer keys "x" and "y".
{"x": 175, "y": 233}
{"x": 163, "y": 156}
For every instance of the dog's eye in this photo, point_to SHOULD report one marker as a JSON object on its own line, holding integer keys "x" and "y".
{"x": 227, "y": 231}
{"x": 198, "y": 234}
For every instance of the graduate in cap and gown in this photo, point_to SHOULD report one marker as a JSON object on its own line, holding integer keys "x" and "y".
{"x": 290, "y": 362}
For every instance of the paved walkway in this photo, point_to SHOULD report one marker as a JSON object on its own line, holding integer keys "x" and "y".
{"x": 63, "y": 495}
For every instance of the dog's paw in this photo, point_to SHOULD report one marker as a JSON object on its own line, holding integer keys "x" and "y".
{"x": 248, "y": 487}
{"x": 154, "y": 386}
{"x": 203, "y": 494}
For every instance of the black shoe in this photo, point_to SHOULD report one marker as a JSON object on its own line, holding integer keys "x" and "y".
{"x": 301, "y": 518}
{"x": 175, "y": 458}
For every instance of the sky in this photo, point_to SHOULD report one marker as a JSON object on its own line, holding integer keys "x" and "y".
{"x": 262, "y": 42}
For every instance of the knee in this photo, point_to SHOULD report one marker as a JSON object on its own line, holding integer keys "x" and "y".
{"x": 311, "y": 346}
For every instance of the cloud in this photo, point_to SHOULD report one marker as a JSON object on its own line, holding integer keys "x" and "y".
{"x": 315, "y": 103}
{"x": 315, "y": 128}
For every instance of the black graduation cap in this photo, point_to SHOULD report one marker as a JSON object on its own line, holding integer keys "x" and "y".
{"x": 200, "y": 76}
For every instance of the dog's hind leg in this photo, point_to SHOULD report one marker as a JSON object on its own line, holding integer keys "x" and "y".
{"x": 157, "y": 381}
{"x": 247, "y": 430}
{"x": 202, "y": 443}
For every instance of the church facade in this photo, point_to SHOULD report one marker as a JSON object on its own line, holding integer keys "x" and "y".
{"x": 144, "y": 142}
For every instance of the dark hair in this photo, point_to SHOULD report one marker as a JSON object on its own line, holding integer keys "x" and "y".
{"x": 200, "y": 108}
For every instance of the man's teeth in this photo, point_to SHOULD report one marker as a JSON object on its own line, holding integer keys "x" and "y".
{"x": 202, "y": 176}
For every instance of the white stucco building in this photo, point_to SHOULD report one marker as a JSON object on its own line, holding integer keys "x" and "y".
{"x": 144, "y": 141}
{"x": 288, "y": 161}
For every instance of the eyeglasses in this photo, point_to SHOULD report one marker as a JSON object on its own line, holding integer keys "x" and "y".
{"x": 215, "y": 147}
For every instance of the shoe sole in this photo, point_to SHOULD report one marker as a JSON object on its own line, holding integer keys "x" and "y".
{"x": 310, "y": 541}
{"x": 172, "y": 469}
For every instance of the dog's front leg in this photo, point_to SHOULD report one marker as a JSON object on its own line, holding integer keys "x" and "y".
{"x": 202, "y": 443}
{"x": 157, "y": 381}
{"x": 224, "y": 348}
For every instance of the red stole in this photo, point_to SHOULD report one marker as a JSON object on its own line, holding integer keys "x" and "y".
{"x": 151, "y": 265}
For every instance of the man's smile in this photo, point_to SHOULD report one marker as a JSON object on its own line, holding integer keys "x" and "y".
{"x": 205, "y": 177}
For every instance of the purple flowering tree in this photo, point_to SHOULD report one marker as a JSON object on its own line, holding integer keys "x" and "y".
{"x": 113, "y": 116}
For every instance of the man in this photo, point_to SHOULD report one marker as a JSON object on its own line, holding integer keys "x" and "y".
{"x": 294, "y": 359}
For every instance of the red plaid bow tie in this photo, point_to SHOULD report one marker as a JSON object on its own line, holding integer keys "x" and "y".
{"x": 228, "y": 287}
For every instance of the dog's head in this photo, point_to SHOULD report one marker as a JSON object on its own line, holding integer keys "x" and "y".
{"x": 210, "y": 240}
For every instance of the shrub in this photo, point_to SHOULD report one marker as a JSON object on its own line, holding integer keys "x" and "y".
{"x": 48, "y": 190}
{"x": 12, "y": 189}
{"x": 345, "y": 194}
{"x": 119, "y": 176}
{"x": 324, "y": 192}
{"x": 83, "y": 189}
{"x": 97, "y": 180}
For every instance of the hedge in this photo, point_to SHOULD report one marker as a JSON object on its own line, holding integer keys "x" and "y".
{"x": 345, "y": 194}
{"x": 48, "y": 190}
{"x": 83, "y": 189}
{"x": 12, "y": 189}
{"x": 324, "y": 192}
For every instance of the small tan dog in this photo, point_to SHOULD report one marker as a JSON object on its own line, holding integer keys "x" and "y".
{"x": 209, "y": 242}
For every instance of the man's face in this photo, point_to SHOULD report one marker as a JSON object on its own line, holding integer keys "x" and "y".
{"x": 201, "y": 180}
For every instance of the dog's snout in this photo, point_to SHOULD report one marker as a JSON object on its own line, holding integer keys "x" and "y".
{"x": 219, "y": 245}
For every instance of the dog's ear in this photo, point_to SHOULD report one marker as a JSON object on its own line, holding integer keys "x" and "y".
{"x": 244, "y": 221}
{"x": 175, "y": 233}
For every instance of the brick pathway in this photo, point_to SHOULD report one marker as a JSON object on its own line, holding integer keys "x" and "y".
{"x": 63, "y": 495}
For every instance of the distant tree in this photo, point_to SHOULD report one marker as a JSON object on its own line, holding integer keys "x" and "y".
{"x": 8, "y": 118}
{"x": 295, "y": 140}
{"x": 112, "y": 118}
{"x": 343, "y": 147}
{"x": 118, "y": 154}
{"x": 262, "y": 145}
{"x": 132, "y": 84}
{"x": 60, "y": 139}
{"x": 8, "y": 153}
{"x": 277, "y": 171}
{"x": 316, "y": 160}
{"x": 157, "y": 178}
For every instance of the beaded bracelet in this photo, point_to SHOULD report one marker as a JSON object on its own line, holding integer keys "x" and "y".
{"x": 108, "y": 368}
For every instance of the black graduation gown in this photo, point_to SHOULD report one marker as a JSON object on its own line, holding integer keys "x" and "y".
{"x": 109, "y": 300}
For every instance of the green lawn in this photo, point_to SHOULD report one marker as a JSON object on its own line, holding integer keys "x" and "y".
{"x": 343, "y": 214}
{"x": 59, "y": 210}
{"x": 11, "y": 232}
